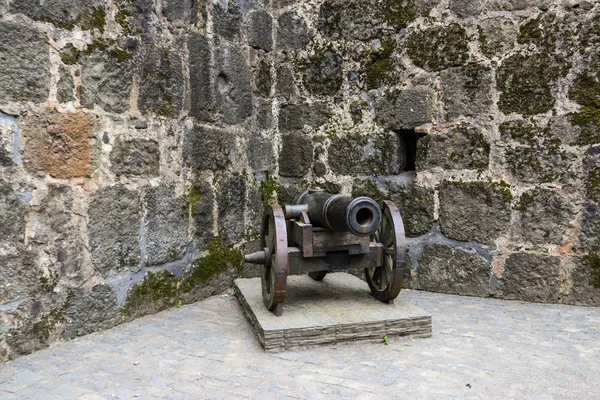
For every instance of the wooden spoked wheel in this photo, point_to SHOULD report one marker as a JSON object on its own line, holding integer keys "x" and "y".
{"x": 386, "y": 281}
{"x": 275, "y": 271}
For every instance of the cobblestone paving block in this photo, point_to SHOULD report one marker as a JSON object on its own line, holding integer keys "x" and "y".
{"x": 480, "y": 348}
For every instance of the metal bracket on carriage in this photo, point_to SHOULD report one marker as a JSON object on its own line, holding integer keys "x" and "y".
{"x": 321, "y": 233}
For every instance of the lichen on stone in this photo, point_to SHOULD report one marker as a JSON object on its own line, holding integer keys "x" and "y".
{"x": 69, "y": 55}
{"x": 121, "y": 19}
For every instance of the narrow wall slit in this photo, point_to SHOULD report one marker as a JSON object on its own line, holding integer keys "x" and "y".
{"x": 409, "y": 139}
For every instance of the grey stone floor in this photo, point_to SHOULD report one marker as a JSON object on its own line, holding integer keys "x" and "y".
{"x": 480, "y": 348}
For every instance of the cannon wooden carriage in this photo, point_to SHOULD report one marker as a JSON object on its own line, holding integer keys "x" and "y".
{"x": 321, "y": 233}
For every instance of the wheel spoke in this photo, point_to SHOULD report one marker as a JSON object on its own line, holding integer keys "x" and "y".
{"x": 377, "y": 276}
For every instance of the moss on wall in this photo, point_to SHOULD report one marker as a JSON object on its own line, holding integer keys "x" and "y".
{"x": 220, "y": 257}
{"x": 380, "y": 65}
{"x": 269, "y": 190}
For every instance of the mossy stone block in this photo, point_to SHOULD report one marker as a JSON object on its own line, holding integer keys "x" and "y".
{"x": 438, "y": 47}
{"x": 474, "y": 211}
{"x": 527, "y": 82}
{"x": 463, "y": 147}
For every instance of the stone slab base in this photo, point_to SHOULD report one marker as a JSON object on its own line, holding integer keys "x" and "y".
{"x": 338, "y": 309}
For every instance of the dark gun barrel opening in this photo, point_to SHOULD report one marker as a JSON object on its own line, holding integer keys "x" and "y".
{"x": 364, "y": 216}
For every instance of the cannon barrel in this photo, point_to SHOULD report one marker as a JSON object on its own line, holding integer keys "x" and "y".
{"x": 360, "y": 216}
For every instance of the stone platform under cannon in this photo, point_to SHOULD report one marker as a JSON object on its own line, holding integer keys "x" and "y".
{"x": 338, "y": 309}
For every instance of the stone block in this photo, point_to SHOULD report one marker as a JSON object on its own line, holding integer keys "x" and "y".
{"x": 466, "y": 8}
{"x": 161, "y": 83}
{"x": 201, "y": 199}
{"x": 462, "y": 147}
{"x": 538, "y": 156}
{"x": 5, "y": 160}
{"x": 516, "y": 5}
{"x": 264, "y": 114}
{"x": 546, "y": 217}
{"x": 201, "y": 92}
{"x": 114, "y": 230}
{"x": 347, "y": 19}
{"x": 292, "y": 32}
{"x": 13, "y": 209}
{"x": 526, "y": 83}
{"x": 166, "y": 227}
{"x": 474, "y": 211}
{"x": 24, "y": 62}
{"x": 531, "y": 277}
{"x": 591, "y": 168}
{"x": 260, "y": 27}
{"x": 341, "y": 19}
{"x": 59, "y": 144}
{"x": 209, "y": 148}
{"x": 416, "y": 204}
{"x": 137, "y": 16}
{"x": 262, "y": 79}
{"x": 539, "y": 163}
{"x": 19, "y": 274}
{"x": 260, "y": 152}
{"x": 497, "y": 36}
{"x": 589, "y": 236}
{"x": 65, "y": 85}
{"x": 323, "y": 73}
{"x": 293, "y": 117}
{"x": 87, "y": 14}
{"x": 585, "y": 279}
{"x": 286, "y": 87}
{"x": 336, "y": 310}
{"x": 231, "y": 201}
{"x": 296, "y": 155}
{"x": 564, "y": 127}
{"x": 227, "y": 19}
{"x": 53, "y": 215}
{"x": 406, "y": 110}
{"x": 377, "y": 153}
{"x": 135, "y": 157}
{"x": 439, "y": 47}
{"x": 181, "y": 10}
{"x": 89, "y": 312}
{"x": 467, "y": 91}
{"x": 233, "y": 83}
{"x": 107, "y": 77}
{"x": 447, "y": 269}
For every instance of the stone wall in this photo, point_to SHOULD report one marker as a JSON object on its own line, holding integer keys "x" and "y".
{"x": 139, "y": 140}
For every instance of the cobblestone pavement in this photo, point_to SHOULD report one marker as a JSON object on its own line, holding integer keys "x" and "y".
{"x": 481, "y": 348}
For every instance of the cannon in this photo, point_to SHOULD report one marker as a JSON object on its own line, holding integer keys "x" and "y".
{"x": 322, "y": 232}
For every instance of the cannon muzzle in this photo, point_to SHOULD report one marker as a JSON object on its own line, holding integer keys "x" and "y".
{"x": 360, "y": 216}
